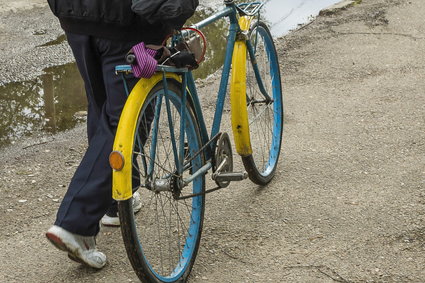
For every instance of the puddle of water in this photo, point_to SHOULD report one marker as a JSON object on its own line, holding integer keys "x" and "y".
{"x": 282, "y": 15}
{"x": 216, "y": 35}
{"x": 286, "y": 15}
{"x": 46, "y": 104}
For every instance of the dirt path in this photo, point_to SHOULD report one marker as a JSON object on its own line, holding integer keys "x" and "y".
{"x": 347, "y": 204}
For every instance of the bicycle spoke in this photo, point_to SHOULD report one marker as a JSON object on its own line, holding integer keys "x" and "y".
{"x": 162, "y": 167}
{"x": 165, "y": 224}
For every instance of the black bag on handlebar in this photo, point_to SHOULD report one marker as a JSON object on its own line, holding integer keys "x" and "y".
{"x": 172, "y": 13}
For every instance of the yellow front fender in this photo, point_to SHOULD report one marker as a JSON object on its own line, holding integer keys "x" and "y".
{"x": 124, "y": 138}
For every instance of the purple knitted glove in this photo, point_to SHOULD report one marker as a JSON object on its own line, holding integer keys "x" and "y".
{"x": 145, "y": 64}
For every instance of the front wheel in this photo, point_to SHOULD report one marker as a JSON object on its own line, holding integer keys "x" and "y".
{"x": 265, "y": 117}
{"x": 162, "y": 240}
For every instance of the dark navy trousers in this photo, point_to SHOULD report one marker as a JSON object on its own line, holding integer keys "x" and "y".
{"x": 90, "y": 192}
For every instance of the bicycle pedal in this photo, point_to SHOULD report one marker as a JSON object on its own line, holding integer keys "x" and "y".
{"x": 230, "y": 176}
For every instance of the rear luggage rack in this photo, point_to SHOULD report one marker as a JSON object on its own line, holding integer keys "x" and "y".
{"x": 250, "y": 9}
{"x": 126, "y": 69}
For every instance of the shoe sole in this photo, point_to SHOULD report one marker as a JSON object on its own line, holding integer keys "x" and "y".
{"x": 57, "y": 242}
{"x": 111, "y": 225}
{"x": 76, "y": 259}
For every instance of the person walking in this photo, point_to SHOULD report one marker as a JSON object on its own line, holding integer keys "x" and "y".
{"x": 100, "y": 33}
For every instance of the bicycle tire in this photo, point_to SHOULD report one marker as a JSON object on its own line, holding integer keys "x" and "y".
{"x": 265, "y": 120}
{"x": 162, "y": 240}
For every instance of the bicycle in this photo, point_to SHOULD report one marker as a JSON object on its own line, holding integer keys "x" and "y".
{"x": 163, "y": 148}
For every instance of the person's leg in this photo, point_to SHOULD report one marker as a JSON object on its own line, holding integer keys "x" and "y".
{"x": 76, "y": 208}
{"x": 89, "y": 194}
{"x": 89, "y": 65}
{"x": 112, "y": 55}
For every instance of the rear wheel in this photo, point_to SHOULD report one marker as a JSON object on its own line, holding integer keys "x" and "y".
{"x": 162, "y": 240}
{"x": 265, "y": 117}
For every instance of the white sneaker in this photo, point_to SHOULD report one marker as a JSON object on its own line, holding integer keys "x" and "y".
{"x": 80, "y": 248}
{"x": 111, "y": 217}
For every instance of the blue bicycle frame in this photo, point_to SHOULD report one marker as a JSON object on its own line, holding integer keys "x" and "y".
{"x": 235, "y": 33}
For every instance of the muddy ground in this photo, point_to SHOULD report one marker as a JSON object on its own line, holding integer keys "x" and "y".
{"x": 347, "y": 204}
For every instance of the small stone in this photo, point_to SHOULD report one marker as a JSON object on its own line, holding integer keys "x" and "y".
{"x": 80, "y": 115}
{"x": 39, "y": 32}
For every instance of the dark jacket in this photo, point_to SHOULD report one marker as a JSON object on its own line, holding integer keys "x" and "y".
{"x": 172, "y": 13}
{"x": 111, "y": 19}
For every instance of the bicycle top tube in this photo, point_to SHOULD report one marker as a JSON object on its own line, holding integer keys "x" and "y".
{"x": 244, "y": 9}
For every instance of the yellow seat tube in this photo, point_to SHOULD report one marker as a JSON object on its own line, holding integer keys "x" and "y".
{"x": 239, "y": 113}
{"x": 124, "y": 138}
